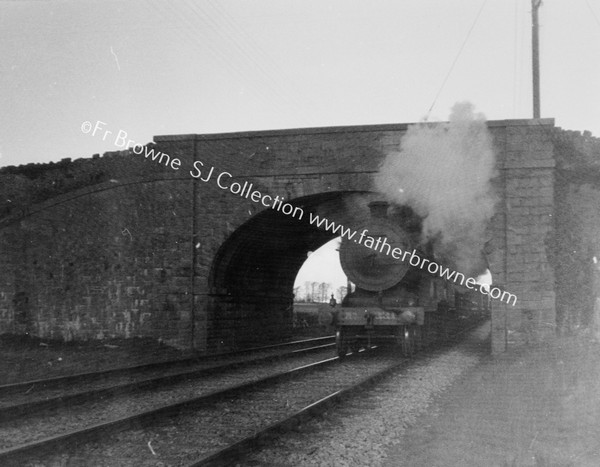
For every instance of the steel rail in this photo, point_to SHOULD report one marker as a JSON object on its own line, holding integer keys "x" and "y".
{"x": 235, "y": 451}
{"x": 16, "y": 454}
{"x": 21, "y": 386}
{"x": 18, "y": 410}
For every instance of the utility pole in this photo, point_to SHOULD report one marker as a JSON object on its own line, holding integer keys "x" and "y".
{"x": 535, "y": 51}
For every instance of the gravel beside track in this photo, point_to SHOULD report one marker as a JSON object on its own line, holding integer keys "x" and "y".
{"x": 182, "y": 440}
{"x": 358, "y": 432}
{"x": 537, "y": 406}
{"x": 52, "y": 422}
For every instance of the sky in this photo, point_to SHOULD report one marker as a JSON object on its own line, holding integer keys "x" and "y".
{"x": 322, "y": 265}
{"x": 216, "y": 66}
{"x": 211, "y": 66}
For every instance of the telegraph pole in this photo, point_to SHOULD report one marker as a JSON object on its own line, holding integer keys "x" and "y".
{"x": 535, "y": 51}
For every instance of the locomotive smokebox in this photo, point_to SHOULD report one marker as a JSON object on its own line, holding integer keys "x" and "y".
{"x": 368, "y": 259}
{"x": 378, "y": 209}
{"x": 384, "y": 306}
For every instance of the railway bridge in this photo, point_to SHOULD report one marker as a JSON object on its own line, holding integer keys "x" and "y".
{"x": 203, "y": 253}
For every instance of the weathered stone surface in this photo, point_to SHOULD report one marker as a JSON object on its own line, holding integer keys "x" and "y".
{"x": 122, "y": 246}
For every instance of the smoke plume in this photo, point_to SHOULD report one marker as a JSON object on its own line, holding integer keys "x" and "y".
{"x": 443, "y": 172}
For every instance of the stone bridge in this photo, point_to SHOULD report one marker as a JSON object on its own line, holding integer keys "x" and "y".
{"x": 121, "y": 245}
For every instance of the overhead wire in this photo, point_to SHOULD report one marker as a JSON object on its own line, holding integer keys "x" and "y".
{"x": 554, "y": 133}
{"x": 520, "y": 45}
{"x": 593, "y": 15}
{"x": 592, "y": 12}
{"x": 523, "y": 62}
{"x": 515, "y": 59}
{"x": 464, "y": 43}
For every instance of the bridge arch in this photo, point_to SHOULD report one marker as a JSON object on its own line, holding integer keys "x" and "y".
{"x": 192, "y": 242}
{"x": 252, "y": 276}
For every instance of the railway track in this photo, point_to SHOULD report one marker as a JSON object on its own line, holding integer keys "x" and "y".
{"x": 169, "y": 365}
{"x": 230, "y": 453}
{"x": 202, "y": 422}
{"x": 63, "y": 392}
{"x": 209, "y": 429}
{"x": 241, "y": 448}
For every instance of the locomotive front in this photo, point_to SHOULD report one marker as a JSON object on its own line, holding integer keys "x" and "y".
{"x": 385, "y": 306}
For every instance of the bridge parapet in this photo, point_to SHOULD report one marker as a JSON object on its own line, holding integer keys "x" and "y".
{"x": 120, "y": 245}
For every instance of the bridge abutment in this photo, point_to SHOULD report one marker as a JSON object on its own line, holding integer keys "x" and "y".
{"x": 118, "y": 246}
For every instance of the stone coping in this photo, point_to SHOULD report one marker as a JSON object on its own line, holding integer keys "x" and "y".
{"x": 339, "y": 129}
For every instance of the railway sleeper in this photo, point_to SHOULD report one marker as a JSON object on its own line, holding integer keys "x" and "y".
{"x": 351, "y": 339}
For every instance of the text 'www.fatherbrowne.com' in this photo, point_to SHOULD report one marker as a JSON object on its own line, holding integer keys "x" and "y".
{"x": 381, "y": 245}
{"x": 247, "y": 190}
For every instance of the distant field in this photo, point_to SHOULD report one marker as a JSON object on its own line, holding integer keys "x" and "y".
{"x": 312, "y": 315}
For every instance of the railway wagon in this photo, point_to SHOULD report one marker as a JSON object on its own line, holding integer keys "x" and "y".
{"x": 393, "y": 302}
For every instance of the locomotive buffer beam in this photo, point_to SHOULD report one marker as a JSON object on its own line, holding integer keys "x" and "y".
{"x": 371, "y": 317}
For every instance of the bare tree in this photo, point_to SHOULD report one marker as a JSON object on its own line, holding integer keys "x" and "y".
{"x": 341, "y": 292}
{"x": 296, "y": 296}
{"x": 324, "y": 289}
{"x": 307, "y": 291}
{"x": 313, "y": 292}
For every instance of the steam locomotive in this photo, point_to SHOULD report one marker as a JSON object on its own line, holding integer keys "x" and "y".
{"x": 394, "y": 302}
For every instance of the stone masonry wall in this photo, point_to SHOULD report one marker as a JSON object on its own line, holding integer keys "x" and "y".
{"x": 118, "y": 245}
{"x": 525, "y": 216}
{"x": 576, "y": 242}
{"x": 99, "y": 262}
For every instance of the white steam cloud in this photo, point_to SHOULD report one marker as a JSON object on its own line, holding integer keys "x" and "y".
{"x": 443, "y": 172}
